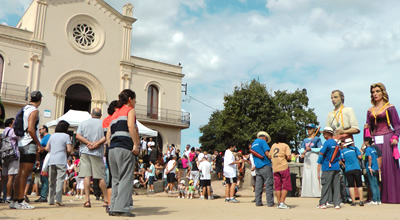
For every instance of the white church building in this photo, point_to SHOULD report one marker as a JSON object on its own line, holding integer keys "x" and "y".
{"x": 78, "y": 54}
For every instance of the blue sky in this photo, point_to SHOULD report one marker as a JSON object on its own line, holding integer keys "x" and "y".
{"x": 320, "y": 45}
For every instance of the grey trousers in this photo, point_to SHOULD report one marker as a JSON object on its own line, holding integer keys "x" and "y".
{"x": 265, "y": 176}
{"x": 122, "y": 166}
{"x": 57, "y": 175}
{"x": 330, "y": 181}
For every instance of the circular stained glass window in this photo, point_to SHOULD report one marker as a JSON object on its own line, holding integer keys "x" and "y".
{"x": 84, "y": 35}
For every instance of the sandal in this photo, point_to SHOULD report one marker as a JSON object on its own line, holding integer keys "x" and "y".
{"x": 87, "y": 205}
{"x": 105, "y": 204}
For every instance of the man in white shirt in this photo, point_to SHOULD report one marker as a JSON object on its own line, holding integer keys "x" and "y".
{"x": 143, "y": 143}
{"x": 28, "y": 146}
{"x": 205, "y": 178}
{"x": 230, "y": 173}
{"x": 172, "y": 149}
{"x": 170, "y": 171}
{"x": 187, "y": 151}
{"x": 150, "y": 143}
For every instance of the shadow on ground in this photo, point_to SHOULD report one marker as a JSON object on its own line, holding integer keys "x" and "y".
{"x": 147, "y": 211}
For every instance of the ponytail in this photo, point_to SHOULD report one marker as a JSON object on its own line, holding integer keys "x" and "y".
{"x": 124, "y": 96}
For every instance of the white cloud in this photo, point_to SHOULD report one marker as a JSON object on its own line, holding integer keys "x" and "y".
{"x": 320, "y": 45}
{"x": 14, "y": 7}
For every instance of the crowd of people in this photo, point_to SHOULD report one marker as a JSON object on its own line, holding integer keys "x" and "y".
{"x": 107, "y": 172}
{"x": 110, "y": 160}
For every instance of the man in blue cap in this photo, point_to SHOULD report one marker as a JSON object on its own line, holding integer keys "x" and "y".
{"x": 309, "y": 151}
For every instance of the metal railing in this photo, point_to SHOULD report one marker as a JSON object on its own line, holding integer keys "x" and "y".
{"x": 14, "y": 91}
{"x": 162, "y": 115}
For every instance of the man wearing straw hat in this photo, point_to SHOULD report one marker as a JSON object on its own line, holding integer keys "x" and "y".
{"x": 329, "y": 162}
{"x": 264, "y": 173}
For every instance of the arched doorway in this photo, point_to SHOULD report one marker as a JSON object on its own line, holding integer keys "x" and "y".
{"x": 97, "y": 92}
{"x": 77, "y": 97}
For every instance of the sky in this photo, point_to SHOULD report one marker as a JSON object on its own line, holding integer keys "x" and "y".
{"x": 319, "y": 45}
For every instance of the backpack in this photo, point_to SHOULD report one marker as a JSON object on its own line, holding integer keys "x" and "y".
{"x": 19, "y": 123}
{"x": 7, "y": 150}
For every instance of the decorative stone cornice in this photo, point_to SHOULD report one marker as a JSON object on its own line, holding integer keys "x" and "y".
{"x": 60, "y": 95}
{"x": 112, "y": 13}
{"x": 158, "y": 72}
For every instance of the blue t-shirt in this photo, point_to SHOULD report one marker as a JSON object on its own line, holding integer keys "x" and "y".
{"x": 315, "y": 145}
{"x": 152, "y": 170}
{"x": 370, "y": 151}
{"x": 349, "y": 156}
{"x": 260, "y": 146}
{"x": 327, "y": 152}
{"x": 45, "y": 139}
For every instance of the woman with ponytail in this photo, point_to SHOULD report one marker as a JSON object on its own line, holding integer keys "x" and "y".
{"x": 123, "y": 141}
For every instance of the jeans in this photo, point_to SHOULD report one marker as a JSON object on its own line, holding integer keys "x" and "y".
{"x": 44, "y": 190}
{"x": 373, "y": 183}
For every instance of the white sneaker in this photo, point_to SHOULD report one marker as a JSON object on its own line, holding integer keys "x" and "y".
{"x": 373, "y": 203}
{"x": 179, "y": 197}
{"x": 12, "y": 204}
{"x": 283, "y": 206}
{"x": 23, "y": 205}
{"x": 379, "y": 202}
{"x": 329, "y": 204}
{"x": 80, "y": 197}
{"x": 76, "y": 196}
{"x": 33, "y": 194}
{"x": 337, "y": 207}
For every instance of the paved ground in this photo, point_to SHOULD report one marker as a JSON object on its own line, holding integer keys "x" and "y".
{"x": 160, "y": 205}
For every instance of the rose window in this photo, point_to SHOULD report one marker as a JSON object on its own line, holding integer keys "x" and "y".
{"x": 84, "y": 35}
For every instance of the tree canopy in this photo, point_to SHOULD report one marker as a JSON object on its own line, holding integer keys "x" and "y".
{"x": 250, "y": 109}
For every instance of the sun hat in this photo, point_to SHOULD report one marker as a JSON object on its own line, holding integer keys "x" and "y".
{"x": 264, "y": 134}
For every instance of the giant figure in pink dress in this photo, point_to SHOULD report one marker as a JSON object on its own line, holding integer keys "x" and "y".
{"x": 384, "y": 124}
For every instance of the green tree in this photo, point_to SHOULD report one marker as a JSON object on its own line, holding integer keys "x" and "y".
{"x": 251, "y": 108}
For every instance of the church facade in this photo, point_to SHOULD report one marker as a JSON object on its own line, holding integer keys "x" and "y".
{"x": 78, "y": 54}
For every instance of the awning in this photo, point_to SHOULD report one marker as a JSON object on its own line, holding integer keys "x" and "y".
{"x": 143, "y": 130}
{"x": 73, "y": 117}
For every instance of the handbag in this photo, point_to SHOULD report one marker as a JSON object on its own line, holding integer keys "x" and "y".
{"x": 45, "y": 167}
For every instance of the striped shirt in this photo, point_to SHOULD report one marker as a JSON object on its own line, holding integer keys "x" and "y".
{"x": 120, "y": 136}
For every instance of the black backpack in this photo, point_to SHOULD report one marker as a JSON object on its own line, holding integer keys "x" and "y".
{"x": 19, "y": 123}
{"x": 7, "y": 150}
